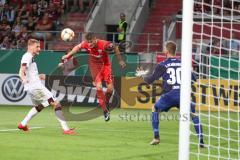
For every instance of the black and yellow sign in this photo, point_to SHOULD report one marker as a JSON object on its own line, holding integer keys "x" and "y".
{"x": 135, "y": 93}
{"x": 216, "y": 95}
{"x": 208, "y": 94}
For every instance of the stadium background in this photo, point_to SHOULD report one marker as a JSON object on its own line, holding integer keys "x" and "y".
{"x": 150, "y": 24}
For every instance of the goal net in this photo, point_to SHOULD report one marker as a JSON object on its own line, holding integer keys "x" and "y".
{"x": 215, "y": 59}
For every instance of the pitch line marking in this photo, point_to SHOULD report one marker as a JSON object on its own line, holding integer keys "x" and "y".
{"x": 16, "y": 129}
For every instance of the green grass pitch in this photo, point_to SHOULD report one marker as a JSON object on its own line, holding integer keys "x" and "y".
{"x": 119, "y": 139}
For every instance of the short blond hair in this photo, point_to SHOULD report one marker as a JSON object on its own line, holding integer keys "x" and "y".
{"x": 171, "y": 47}
{"x": 32, "y": 41}
{"x": 90, "y": 36}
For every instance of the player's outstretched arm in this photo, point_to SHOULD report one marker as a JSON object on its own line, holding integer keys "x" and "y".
{"x": 72, "y": 52}
{"x": 119, "y": 57}
{"x": 157, "y": 73}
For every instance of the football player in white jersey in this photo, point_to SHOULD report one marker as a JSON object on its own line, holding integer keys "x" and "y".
{"x": 40, "y": 95}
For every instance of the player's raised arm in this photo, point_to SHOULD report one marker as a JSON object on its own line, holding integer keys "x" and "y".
{"x": 73, "y": 51}
{"x": 157, "y": 73}
{"x": 119, "y": 57}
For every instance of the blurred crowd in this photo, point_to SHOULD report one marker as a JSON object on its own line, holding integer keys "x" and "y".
{"x": 24, "y": 19}
{"x": 218, "y": 47}
{"x": 218, "y": 7}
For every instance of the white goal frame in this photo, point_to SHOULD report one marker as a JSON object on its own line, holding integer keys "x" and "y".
{"x": 217, "y": 58}
{"x": 186, "y": 68}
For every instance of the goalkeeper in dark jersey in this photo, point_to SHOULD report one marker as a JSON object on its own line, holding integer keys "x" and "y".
{"x": 170, "y": 71}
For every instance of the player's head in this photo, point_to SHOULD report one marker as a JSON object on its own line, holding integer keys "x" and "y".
{"x": 34, "y": 46}
{"x": 170, "y": 48}
{"x": 91, "y": 39}
{"x": 122, "y": 16}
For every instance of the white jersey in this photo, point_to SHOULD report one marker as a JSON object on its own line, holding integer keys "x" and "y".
{"x": 32, "y": 76}
{"x": 37, "y": 91}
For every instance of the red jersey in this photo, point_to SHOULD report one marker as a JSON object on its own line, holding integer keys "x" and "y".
{"x": 97, "y": 55}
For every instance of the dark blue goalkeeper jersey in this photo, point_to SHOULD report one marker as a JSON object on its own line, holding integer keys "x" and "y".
{"x": 170, "y": 71}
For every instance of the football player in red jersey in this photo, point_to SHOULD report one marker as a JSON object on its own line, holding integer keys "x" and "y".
{"x": 100, "y": 66}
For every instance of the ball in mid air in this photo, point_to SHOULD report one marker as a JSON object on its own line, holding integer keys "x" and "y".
{"x": 67, "y": 34}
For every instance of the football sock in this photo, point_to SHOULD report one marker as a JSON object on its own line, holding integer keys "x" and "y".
{"x": 29, "y": 116}
{"x": 101, "y": 99}
{"x": 198, "y": 128}
{"x": 60, "y": 118}
{"x": 155, "y": 124}
{"x": 108, "y": 96}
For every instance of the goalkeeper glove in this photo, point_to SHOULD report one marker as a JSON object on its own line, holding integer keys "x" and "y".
{"x": 140, "y": 72}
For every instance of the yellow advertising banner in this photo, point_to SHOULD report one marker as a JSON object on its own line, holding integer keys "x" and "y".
{"x": 216, "y": 95}
{"x": 209, "y": 95}
{"x": 135, "y": 93}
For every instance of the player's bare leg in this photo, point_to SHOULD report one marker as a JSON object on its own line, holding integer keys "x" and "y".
{"x": 102, "y": 102}
{"x": 108, "y": 94}
{"x": 59, "y": 115}
{"x": 155, "y": 125}
{"x": 33, "y": 112}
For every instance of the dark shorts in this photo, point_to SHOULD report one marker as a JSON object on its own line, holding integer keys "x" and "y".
{"x": 170, "y": 100}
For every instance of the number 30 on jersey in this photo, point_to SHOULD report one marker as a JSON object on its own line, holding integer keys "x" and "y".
{"x": 174, "y": 76}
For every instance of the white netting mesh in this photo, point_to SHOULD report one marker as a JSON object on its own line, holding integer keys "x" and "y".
{"x": 216, "y": 52}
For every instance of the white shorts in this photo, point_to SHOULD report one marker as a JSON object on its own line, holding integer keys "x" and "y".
{"x": 40, "y": 95}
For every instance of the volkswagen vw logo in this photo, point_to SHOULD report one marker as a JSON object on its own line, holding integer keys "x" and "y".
{"x": 12, "y": 89}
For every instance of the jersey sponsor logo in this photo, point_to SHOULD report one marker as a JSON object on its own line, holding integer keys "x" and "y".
{"x": 99, "y": 54}
{"x": 100, "y": 51}
{"x": 96, "y": 56}
{"x": 13, "y": 89}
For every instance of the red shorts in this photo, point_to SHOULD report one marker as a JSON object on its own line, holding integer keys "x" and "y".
{"x": 102, "y": 73}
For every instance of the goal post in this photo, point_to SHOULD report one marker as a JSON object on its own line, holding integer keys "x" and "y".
{"x": 211, "y": 42}
{"x": 186, "y": 65}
